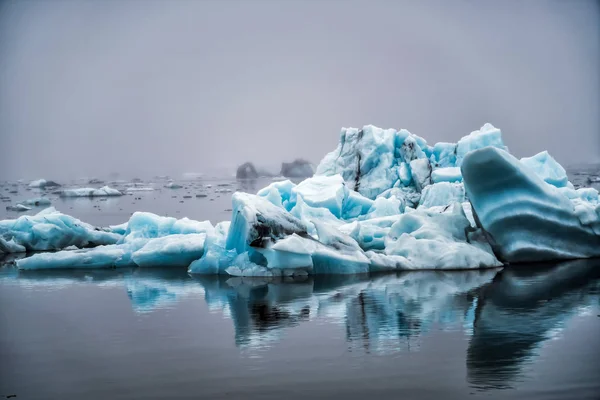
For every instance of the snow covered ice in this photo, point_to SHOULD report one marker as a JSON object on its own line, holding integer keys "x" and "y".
{"x": 384, "y": 199}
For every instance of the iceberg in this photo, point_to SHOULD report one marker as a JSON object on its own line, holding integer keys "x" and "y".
{"x": 18, "y": 208}
{"x": 50, "y": 230}
{"x": 173, "y": 185}
{"x": 382, "y": 200}
{"x": 149, "y": 240}
{"x": 42, "y": 184}
{"x": 90, "y": 192}
{"x": 524, "y": 217}
{"x": 37, "y": 202}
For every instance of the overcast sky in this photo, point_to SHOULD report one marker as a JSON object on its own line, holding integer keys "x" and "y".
{"x": 153, "y": 87}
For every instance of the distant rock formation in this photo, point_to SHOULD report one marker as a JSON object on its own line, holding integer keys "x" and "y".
{"x": 298, "y": 168}
{"x": 246, "y": 171}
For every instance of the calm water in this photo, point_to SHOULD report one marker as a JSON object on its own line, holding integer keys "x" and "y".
{"x": 527, "y": 332}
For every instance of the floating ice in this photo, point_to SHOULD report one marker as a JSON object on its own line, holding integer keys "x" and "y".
{"x": 37, "y": 202}
{"x": 149, "y": 240}
{"x": 383, "y": 200}
{"x": 42, "y": 183}
{"x": 90, "y": 192}
{"x": 18, "y": 208}
{"x": 525, "y": 218}
{"x": 51, "y": 230}
{"x": 173, "y": 185}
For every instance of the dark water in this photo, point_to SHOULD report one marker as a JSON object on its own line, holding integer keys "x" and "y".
{"x": 527, "y": 332}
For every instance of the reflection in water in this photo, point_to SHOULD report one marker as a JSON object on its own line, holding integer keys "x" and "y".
{"x": 506, "y": 313}
{"x": 520, "y": 309}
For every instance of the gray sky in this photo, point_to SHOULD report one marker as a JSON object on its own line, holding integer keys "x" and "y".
{"x": 153, "y": 87}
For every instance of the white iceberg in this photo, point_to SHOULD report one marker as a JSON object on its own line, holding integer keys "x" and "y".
{"x": 90, "y": 192}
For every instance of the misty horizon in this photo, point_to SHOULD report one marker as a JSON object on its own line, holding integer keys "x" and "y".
{"x": 89, "y": 88}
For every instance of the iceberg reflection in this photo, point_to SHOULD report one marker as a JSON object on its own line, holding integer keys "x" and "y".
{"x": 522, "y": 308}
{"x": 506, "y": 315}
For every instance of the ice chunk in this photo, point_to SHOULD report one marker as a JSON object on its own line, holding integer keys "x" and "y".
{"x": 18, "y": 208}
{"x": 370, "y": 234}
{"x": 99, "y": 257}
{"x": 404, "y": 174}
{"x": 173, "y": 250}
{"x": 384, "y": 207}
{"x": 410, "y": 149}
{"x": 429, "y": 240}
{"x": 216, "y": 257}
{"x": 488, "y": 135}
{"x": 256, "y": 221}
{"x": 51, "y": 230}
{"x": 279, "y": 193}
{"x": 444, "y": 155}
{"x": 40, "y": 183}
{"x": 355, "y": 205}
{"x": 323, "y": 191}
{"x": 147, "y": 226}
{"x": 173, "y": 185}
{"x": 120, "y": 229}
{"x": 291, "y": 253}
{"x": 421, "y": 173}
{"x": 525, "y": 218}
{"x": 365, "y": 160}
{"x": 37, "y": 202}
{"x": 10, "y": 246}
{"x": 308, "y": 214}
{"x": 150, "y": 240}
{"x": 298, "y": 253}
{"x": 588, "y": 194}
{"x": 450, "y": 174}
{"x": 442, "y": 194}
{"x": 547, "y": 168}
{"x": 243, "y": 266}
{"x": 90, "y": 192}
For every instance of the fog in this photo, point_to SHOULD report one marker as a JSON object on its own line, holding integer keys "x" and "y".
{"x": 166, "y": 87}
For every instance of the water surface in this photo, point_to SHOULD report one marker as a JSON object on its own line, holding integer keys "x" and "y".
{"x": 522, "y": 332}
